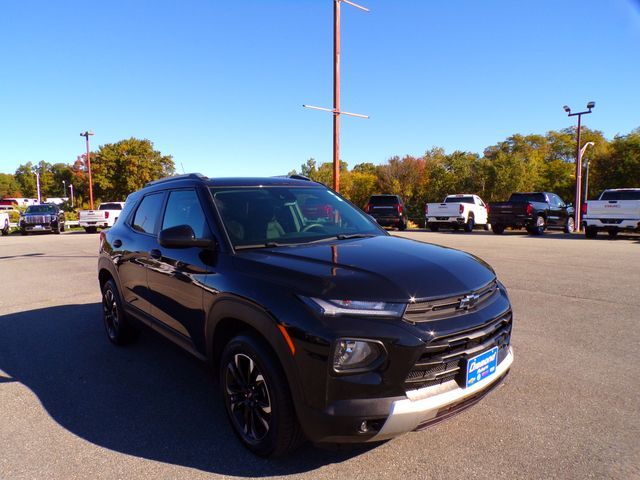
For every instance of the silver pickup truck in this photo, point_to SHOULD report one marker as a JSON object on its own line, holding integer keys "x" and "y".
{"x": 616, "y": 210}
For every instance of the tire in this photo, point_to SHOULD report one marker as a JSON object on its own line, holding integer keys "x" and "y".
{"x": 468, "y": 227}
{"x": 5, "y": 230}
{"x": 538, "y": 228}
{"x": 23, "y": 232}
{"x": 497, "y": 228}
{"x": 590, "y": 232}
{"x": 487, "y": 227}
{"x": 56, "y": 230}
{"x": 402, "y": 226}
{"x": 116, "y": 324}
{"x": 455, "y": 227}
{"x": 612, "y": 233}
{"x": 91, "y": 229}
{"x": 433, "y": 227}
{"x": 569, "y": 225}
{"x": 63, "y": 226}
{"x": 260, "y": 410}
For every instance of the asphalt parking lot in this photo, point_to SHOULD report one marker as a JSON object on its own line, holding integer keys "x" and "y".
{"x": 74, "y": 406}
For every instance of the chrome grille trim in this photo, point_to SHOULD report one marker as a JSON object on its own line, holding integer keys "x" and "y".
{"x": 447, "y": 307}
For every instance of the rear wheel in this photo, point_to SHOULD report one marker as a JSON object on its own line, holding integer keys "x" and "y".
{"x": 433, "y": 227}
{"x": 569, "y": 225}
{"x": 612, "y": 233}
{"x": 468, "y": 227}
{"x": 402, "y": 226}
{"x": 590, "y": 232}
{"x": 497, "y": 228}
{"x": 117, "y": 325}
{"x": 257, "y": 398}
{"x": 538, "y": 228}
{"x": 91, "y": 229}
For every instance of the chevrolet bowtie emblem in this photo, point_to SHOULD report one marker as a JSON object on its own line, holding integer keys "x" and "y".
{"x": 468, "y": 301}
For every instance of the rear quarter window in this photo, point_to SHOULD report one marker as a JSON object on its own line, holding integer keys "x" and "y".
{"x": 147, "y": 215}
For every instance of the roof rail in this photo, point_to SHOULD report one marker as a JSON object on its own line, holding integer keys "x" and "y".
{"x": 192, "y": 176}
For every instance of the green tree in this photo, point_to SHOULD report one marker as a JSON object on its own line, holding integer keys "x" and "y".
{"x": 9, "y": 186}
{"x": 126, "y": 166}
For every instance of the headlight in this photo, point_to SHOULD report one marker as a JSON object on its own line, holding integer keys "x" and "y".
{"x": 354, "y": 355}
{"x": 334, "y": 308}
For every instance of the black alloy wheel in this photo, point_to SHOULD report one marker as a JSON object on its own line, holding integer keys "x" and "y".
{"x": 257, "y": 398}
{"x": 116, "y": 324}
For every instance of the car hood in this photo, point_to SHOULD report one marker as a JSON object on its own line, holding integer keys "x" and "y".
{"x": 376, "y": 268}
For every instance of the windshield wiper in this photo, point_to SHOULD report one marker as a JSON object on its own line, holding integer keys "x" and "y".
{"x": 344, "y": 236}
{"x": 262, "y": 245}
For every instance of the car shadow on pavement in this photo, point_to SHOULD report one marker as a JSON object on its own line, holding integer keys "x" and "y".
{"x": 149, "y": 399}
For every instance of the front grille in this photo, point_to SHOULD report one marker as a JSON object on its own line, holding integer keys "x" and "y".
{"x": 37, "y": 219}
{"x": 444, "y": 358}
{"x": 448, "y": 307}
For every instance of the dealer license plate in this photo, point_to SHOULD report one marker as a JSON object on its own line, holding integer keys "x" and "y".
{"x": 482, "y": 366}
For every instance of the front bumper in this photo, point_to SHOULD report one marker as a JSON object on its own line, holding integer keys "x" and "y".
{"x": 30, "y": 227}
{"x": 419, "y": 410}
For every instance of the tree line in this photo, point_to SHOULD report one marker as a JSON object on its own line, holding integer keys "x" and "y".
{"x": 520, "y": 163}
{"x": 117, "y": 169}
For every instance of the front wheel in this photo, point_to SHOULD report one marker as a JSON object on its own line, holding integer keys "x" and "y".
{"x": 402, "y": 226}
{"x": 257, "y": 398}
{"x": 5, "y": 230}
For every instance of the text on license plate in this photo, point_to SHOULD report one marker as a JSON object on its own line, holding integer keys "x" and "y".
{"x": 482, "y": 366}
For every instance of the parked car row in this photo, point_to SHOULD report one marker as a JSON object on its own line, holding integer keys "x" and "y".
{"x": 104, "y": 217}
{"x": 616, "y": 210}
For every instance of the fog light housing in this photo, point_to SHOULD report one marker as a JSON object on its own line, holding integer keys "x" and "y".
{"x": 357, "y": 355}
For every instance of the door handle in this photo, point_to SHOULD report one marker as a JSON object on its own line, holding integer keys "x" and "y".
{"x": 155, "y": 253}
{"x": 117, "y": 243}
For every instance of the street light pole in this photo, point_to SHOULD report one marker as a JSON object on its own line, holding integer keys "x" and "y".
{"x": 38, "y": 185}
{"x": 586, "y": 176}
{"x": 578, "y": 196}
{"x": 64, "y": 188}
{"x": 71, "y": 190}
{"x": 86, "y": 136}
{"x": 336, "y": 91}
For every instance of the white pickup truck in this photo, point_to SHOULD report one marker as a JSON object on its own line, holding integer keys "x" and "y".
{"x": 461, "y": 210}
{"x": 4, "y": 223}
{"x": 104, "y": 217}
{"x": 616, "y": 210}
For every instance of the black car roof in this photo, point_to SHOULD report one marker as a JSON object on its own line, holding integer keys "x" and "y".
{"x": 194, "y": 178}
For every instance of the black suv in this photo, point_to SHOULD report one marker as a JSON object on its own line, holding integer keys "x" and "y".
{"x": 325, "y": 328}
{"x": 387, "y": 210}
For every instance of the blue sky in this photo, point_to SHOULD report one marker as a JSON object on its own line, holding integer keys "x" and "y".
{"x": 219, "y": 85}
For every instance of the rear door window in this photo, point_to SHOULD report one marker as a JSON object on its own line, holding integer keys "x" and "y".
{"x": 147, "y": 215}
{"x": 383, "y": 200}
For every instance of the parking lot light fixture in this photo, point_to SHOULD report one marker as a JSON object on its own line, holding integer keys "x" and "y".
{"x": 86, "y": 135}
{"x": 578, "y": 196}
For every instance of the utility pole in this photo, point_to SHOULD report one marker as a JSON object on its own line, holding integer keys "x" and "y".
{"x": 586, "y": 177}
{"x": 38, "y": 185}
{"x": 71, "y": 189}
{"x": 86, "y": 136}
{"x": 336, "y": 91}
{"x": 578, "y": 199}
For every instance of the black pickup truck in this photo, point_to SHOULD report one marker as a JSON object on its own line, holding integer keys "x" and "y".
{"x": 535, "y": 211}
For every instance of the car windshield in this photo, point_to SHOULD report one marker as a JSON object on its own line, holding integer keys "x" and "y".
{"x": 288, "y": 215}
{"x": 527, "y": 197}
{"x": 621, "y": 195}
{"x": 458, "y": 200}
{"x": 41, "y": 209}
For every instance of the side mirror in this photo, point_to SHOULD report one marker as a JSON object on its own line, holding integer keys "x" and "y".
{"x": 183, "y": 236}
{"x": 569, "y": 205}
